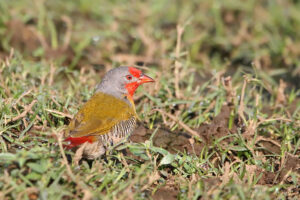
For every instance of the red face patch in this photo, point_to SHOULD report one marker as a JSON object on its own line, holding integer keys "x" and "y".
{"x": 135, "y": 72}
{"x": 131, "y": 87}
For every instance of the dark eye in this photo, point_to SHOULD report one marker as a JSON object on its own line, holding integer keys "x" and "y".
{"x": 129, "y": 77}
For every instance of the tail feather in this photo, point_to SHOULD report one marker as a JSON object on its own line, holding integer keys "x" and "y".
{"x": 75, "y": 141}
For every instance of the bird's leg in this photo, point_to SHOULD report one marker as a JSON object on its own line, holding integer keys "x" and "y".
{"x": 79, "y": 153}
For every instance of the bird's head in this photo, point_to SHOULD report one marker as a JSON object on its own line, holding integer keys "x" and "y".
{"x": 122, "y": 81}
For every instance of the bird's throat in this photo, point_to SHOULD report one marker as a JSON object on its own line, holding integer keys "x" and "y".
{"x": 131, "y": 88}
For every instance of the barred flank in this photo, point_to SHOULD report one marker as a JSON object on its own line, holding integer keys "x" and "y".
{"x": 120, "y": 130}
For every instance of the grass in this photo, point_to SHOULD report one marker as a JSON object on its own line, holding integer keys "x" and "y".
{"x": 202, "y": 135}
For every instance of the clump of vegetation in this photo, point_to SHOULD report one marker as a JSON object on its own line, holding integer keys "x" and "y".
{"x": 222, "y": 120}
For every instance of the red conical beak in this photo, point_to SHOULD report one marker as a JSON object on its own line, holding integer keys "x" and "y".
{"x": 145, "y": 79}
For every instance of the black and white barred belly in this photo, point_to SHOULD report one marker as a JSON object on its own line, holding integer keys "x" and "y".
{"x": 120, "y": 131}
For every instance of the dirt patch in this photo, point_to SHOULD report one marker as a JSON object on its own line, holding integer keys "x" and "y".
{"x": 291, "y": 163}
{"x": 180, "y": 141}
{"x": 169, "y": 140}
{"x": 270, "y": 147}
{"x": 219, "y": 127}
{"x": 27, "y": 41}
{"x": 293, "y": 106}
{"x": 210, "y": 183}
{"x": 201, "y": 78}
{"x": 267, "y": 178}
{"x": 165, "y": 192}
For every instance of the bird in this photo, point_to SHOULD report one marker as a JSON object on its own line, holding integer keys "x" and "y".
{"x": 109, "y": 116}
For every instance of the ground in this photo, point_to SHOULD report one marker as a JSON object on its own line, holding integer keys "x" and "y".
{"x": 222, "y": 120}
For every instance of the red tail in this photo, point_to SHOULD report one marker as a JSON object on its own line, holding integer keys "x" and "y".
{"x": 75, "y": 141}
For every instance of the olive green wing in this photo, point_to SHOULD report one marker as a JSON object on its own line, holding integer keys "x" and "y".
{"x": 99, "y": 115}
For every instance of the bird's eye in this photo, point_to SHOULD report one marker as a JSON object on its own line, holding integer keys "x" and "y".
{"x": 129, "y": 77}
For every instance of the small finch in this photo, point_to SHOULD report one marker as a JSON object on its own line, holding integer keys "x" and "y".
{"x": 109, "y": 116}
